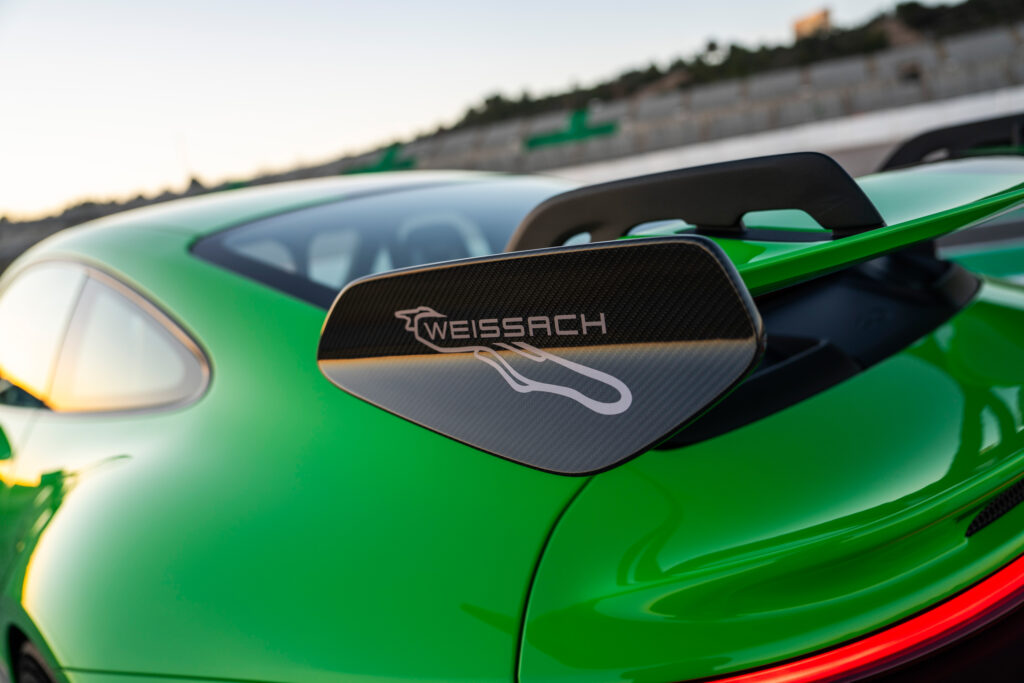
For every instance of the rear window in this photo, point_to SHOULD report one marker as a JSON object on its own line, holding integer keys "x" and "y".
{"x": 312, "y": 253}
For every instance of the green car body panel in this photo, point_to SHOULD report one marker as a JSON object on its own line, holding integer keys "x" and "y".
{"x": 835, "y": 516}
{"x": 278, "y": 529}
{"x": 290, "y": 544}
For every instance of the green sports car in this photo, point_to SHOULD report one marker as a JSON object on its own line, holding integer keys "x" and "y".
{"x": 516, "y": 447}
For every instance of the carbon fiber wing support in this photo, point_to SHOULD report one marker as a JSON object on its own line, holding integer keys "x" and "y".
{"x": 713, "y": 197}
{"x": 1005, "y": 131}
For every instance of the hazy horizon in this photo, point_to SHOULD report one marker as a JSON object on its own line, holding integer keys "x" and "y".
{"x": 121, "y": 98}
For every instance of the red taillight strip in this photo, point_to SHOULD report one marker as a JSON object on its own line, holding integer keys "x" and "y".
{"x": 966, "y": 612}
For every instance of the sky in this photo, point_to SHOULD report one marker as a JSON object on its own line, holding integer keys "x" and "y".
{"x": 107, "y": 99}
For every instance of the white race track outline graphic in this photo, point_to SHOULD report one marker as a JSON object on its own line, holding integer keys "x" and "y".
{"x": 517, "y": 381}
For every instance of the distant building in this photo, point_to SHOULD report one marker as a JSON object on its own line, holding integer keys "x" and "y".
{"x": 897, "y": 33}
{"x": 812, "y": 24}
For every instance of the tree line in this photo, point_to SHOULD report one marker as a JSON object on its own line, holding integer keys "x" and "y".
{"x": 717, "y": 62}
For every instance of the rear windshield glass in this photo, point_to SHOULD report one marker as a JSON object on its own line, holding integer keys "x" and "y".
{"x": 312, "y": 253}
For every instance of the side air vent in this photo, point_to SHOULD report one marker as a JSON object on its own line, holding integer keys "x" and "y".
{"x": 997, "y": 507}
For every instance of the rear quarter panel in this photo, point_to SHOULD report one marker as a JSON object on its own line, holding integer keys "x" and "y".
{"x": 823, "y": 522}
{"x": 277, "y": 528}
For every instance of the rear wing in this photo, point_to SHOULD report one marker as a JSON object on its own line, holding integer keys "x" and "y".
{"x": 851, "y": 228}
{"x": 574, "y": 359}
{"x": 714, "y": 198}
{"x": 1003, "y": 133}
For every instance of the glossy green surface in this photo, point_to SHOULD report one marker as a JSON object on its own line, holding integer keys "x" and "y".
{"x": 277, "y": 529}
{"x": 822, "y": 522}
{"x": 1000, "y": 255}
{"x": 1004, "y": 263}
{"x": 281, "y": 530}
{"x": 917, "y": 204}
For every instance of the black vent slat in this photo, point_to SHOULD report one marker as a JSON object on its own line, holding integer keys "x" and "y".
{"x": 997, "y": 507}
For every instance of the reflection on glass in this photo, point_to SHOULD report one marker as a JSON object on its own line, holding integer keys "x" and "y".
{"x": 117, "y": 357}
{"x": 333, "y": 244}
{"x": 269, "y": 252}
{"x": 34, "y": 311}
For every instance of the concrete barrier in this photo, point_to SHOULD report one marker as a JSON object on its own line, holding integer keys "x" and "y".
{"x": 898, "y": 77}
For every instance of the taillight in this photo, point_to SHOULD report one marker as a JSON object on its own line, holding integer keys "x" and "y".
{"x": 953, "y": 619}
